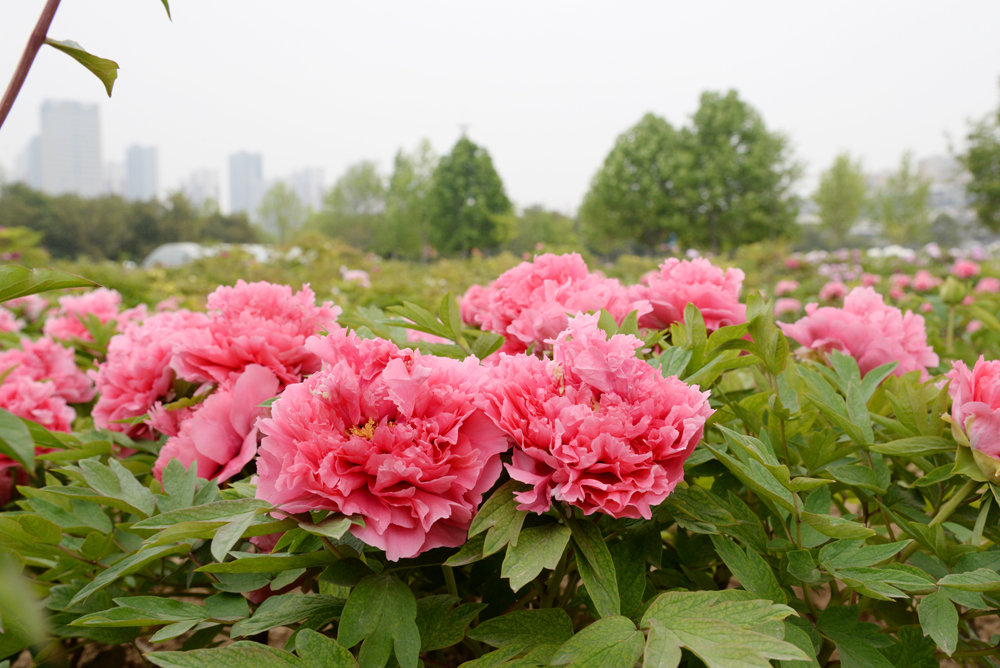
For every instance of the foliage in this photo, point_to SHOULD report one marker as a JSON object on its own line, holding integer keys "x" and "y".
{"x": 982, "y": 159}
{"x": 841, "y": 197}
{"x": 407, "y": 214}
{"x": 901, "y": 205}
{"x": 354, "y": 208}
{"x": 465, "y": 199}
{"x": 281, "y": 211}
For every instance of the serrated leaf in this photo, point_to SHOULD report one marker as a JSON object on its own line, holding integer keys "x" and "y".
{"x": 939, "y": 620}
{"x": 537, "y": 548}
{"x": 610, "y": 642}
{"x": 104, "y": 69}
{"x": 382, "y": 612}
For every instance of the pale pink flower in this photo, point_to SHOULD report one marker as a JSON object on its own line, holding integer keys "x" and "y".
{"x": 900, "y": 281}
{"x": 31, "y": 306}
{"x": 793, "y": 263}
{"x": 988, "y": 284}
{"x": 784, "y": 287}
{"x": 868, "y": 280}
{"x": 46, "y": 360}
{"x": 868, "y": 330}
{"x": 9, "y": 322}
{"x": 387, "y": 434}
{"x": 678, "y": 283}
{"x": 973, "y": 327}
{"x": 256, "y": 323}
{"x": 786, "y": 305}
{"x": 926, "y": 307}
{"x": 896, "y": 294}
{"x": 968, "y": 300}
{"x": 596, "y": 427}
{"x": 137, "y": 373}
{"x": 832, "y": 291}
{"x": 102, "y": 303}
{"x": 975, "y": 409}
{"x": 475, "y": 306}
{"x": 924, "y": 280}
{"x": 965, "y": 269}
{"x": 221, "y": 436}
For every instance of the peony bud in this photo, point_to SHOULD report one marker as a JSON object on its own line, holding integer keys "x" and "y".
{"x": 975, "y": 412}
{"x": 952, "y": 292}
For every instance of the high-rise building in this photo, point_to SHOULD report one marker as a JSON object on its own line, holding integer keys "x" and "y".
{"x": 201, "y": 186}
{"x": 70, "y": 149}
{"x": 143, "y": 173}
{"x": 115, "y": 179}
{"x": 246, "y": 183}
{"x": 308, "y": 185}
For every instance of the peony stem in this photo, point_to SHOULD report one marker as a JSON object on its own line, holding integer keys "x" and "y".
{"x": 449, "y": 579}
{"x": 28, "y": 57}
{"x": 950, "y": 506}
{"x": 949, "y": 338}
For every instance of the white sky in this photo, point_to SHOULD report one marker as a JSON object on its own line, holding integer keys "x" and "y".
{"x": 546, "y": 86}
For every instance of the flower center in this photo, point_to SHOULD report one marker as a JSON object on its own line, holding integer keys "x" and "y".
{"x": 366, "y": 432}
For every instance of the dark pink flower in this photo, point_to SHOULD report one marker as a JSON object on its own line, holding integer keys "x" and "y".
{"x": 36, "y": 401}
{"x": 596, "y": 427}
{"x": 256, "y": 323}
{"x": 475, "y": 306}
{"x": 678, "y": 283}
{"x": 975, "y": 410}
{"x": 46, "y": 360}
{"x": 221, "y": 436}
{"x": 391, "y": 435}
{"x": 868, "y": 330}
{"x": 137, "y": 373}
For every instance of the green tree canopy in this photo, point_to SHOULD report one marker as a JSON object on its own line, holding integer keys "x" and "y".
{"x": 281, "y": 211}
{"x": 537, "y": 225}
{"x": 902, "y": 205}
{"x": 841, "y": 197}
{"x": 632, "y": 199}
{"x": 354, "y": 208}
{"x": 466, "y": 197}
{"x": 406, "y": 232}
{"x": 982, "y": 159}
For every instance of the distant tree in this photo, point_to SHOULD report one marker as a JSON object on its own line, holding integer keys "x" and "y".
{"x": 466, "y": 197}
{"x": 535, "y": 225}
{"x": 982, "y": 159}
{"x": 354, "y": 208}
{"x": 841, "y": 197}
{"x": 735, "y": 184}
{"x": 281, "y": 212}
{"x": 633, "y": 197}
{"x": 407, "y": 210}
{"x": 902, "y": 205}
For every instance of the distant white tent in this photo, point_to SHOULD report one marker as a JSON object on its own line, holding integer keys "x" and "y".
{"x": 181, "y": 253}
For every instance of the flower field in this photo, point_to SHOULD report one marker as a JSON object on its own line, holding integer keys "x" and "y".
{"x": 334, "y": 460}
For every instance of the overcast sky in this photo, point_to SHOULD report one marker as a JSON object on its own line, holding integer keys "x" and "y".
{"x": 545, "y": 86}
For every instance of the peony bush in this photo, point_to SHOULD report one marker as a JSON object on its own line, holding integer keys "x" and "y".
{"x": 558, "y": 469}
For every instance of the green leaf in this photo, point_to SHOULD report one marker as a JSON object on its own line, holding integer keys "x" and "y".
{"x": 17, "y": 281}
{"x": 226, "y": 606}
{"x": 237, "y": 655}
{"x": 179, "y": 485}
{"x": 757, "y": 477}
{"x": 939, "y": 620}
{"x": 41, "y": 529}
{"x": 857, "y": 410}
{"x": 916, "y": 446}
{"x": 130, "y": 564}
{"x": 442, "y": 626}
{"x": 117, "y": 482}
{"x": 857, "y": 641}
{"x": 663, "y": 648}
{"x": 470, "y": 552}
{"x": 525, "y": 627}
{"x": 174, "y": 630}
{"x": 104, "y": 69}
{"x": 836, "y": 527}
{"x": 673, "y": 360}
{"x": 750, "y": 569}
{"x": 857, "y": 475}
{"x": 215, "y": 511}
{"x": 333, "y": 528}
{"x": 287, "y": 609}
{"x": 227, "y": 536}
{"x": 86, "y": 450}
{"x": 852, "y": 553}
{"x": 912, "y": 650}
{"x": 537, "y": 548}
{"x": 166, "y": 5}
{"x": 486, "y": 344}
{"x": 596, "y": 567}
{"x": 382, "y": 611}
{"x": 874, "y": 378}
{"x": 346, "y": 572}
{"x": 610, "y": 642}
{"x": 270, "y": 563}
{"x": 629, "y": 556}
{"x": 15, "y": 439}
{"x": 320, "y": 651}
{"x": 981, "y": 579}
{"x": 501, "y": 517}
{"x": 802, "y": 566}
{"x": 607, "y": 322}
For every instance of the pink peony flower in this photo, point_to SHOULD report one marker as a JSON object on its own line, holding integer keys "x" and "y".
{"x": 9, "y": 322}
{"x": 475, "y": 306}
{"x": 924, "y": 280}
{"x": 832, "y": 290}
{"x": 975, "y": 410}
{"x": 784, "y": 287}
{"x": 900, "y": 281}
{"x": 926, "y": 307}
{"x": 11, "y": 475}
{"x": 46, "y": 360}
{"x": 968, "y": 300}
{"x": 137, "y": 372}
{"x": 67, "y": 323}
{"x": 867, "y": 329}
{"x": 31, "y": 306}
{"x": 973, "y": 327}
{"x": 221, "y": 437}
{"x": 530, "y": 303}
{"x": 392, "y": 435}
{"x": 965, "y": 269}
{"x": 793, "y": 263}
{"x": 988, "y": 284}
{"x": 896, "y": 294}
{"x": 596, "y": 427}
{"x": 786, "y": 305}
{"x": 36, "y": 401}
{"x": 678, "y": 283}
{"x": 255, "y": 323}
{"x": 868, "y": 280}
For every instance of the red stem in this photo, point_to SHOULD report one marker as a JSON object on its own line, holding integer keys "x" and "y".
{"x": 28, "y": 57}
